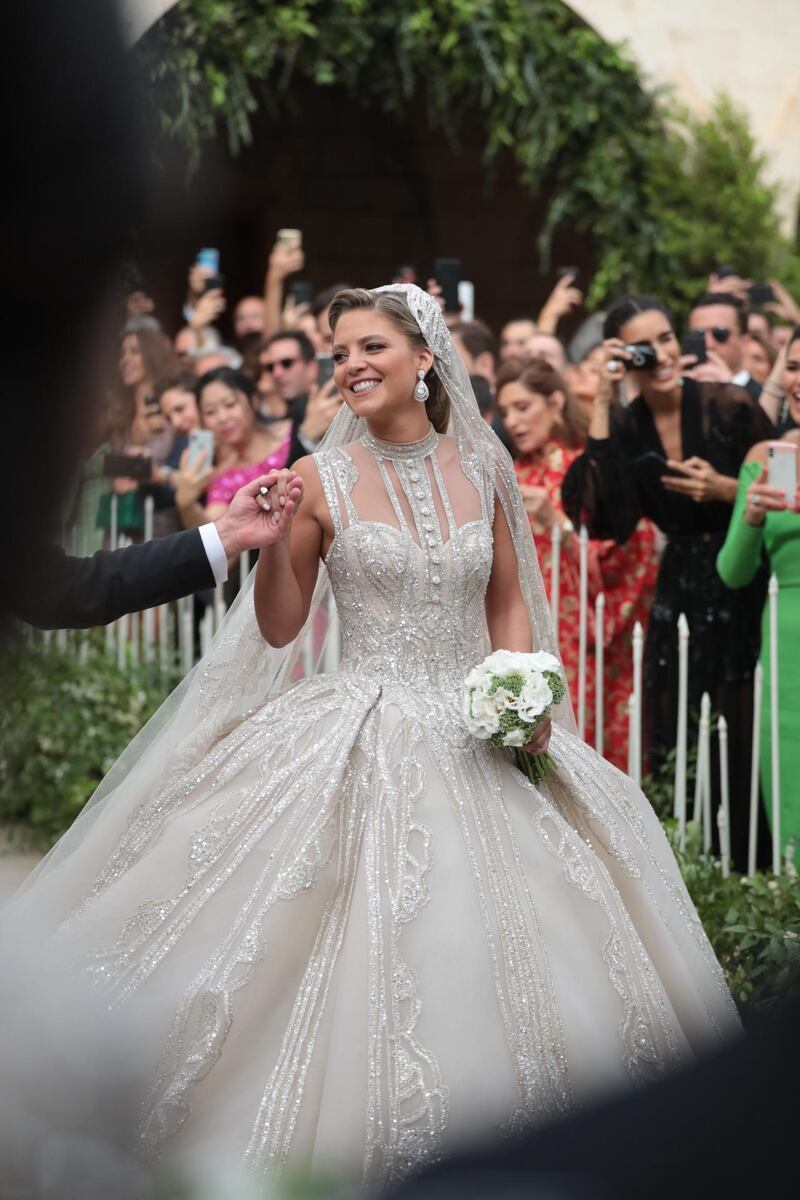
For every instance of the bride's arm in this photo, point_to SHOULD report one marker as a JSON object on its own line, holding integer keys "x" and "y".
{"x": 506, "y": 611}
{"x": 287, "y": 570}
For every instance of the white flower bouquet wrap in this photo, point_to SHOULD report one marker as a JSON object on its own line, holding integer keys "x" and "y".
{"x": 508, "y": 696}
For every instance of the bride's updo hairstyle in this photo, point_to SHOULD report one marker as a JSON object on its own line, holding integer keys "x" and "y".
{"x": 394, "y": 307}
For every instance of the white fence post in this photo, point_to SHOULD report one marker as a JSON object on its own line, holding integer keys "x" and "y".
{"x": 555, "y": 577}
{"x": 582, "y": 629}
{"x": 599, "y": 650}
{"x": 773, "y": 725}
{"x": 638, "y": 648}
{"x": 683, "y": 717}
{"x": 755, "y": 769}
{"x": 724, "y": 814}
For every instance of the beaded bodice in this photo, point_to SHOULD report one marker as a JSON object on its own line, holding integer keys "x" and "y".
{"x": 410, "y": 559}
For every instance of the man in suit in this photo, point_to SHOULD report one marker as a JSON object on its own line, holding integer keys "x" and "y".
{"x": 62, "y": 592}
{"x": 722, "y": 319}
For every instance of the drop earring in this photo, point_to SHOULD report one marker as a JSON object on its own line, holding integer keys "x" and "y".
{"x": 421, "y": 391}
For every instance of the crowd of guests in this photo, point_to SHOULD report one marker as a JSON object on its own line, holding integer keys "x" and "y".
{"x": 664, "y": 460}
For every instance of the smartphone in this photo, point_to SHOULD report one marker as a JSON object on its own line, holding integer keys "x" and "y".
{"x": 563, "y": 272}
{"x": 695, "y": 343}
{"x": 201, "y": 441}
{"x": 447, "y": 273}
{"x": 301, "y": 291}
{"x": 782, "y": 466}
{"x": 760, "y": 293}
{"x": 290, "y": 239}
{"x": 128, "y": 466}
{"x": 324, "y": 369}
{"x": 208, "y": 258}
{"x": 466, "y": 299}
{"x": 213, "y": 281}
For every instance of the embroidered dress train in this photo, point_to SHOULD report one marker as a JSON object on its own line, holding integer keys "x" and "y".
{"x": 357, "y": 936}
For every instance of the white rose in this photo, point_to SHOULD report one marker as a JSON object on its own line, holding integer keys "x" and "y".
{"x": 542, "y": 661}
{"x": 515, "y": 737}
{"x": 505, "y": 699}
{"x": 481, "y": 713}
{"x": 505, "y": 662}
{"x": 534, "y": 698}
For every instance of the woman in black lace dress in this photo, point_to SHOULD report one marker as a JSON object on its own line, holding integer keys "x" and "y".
{"x": 673, "y": 455}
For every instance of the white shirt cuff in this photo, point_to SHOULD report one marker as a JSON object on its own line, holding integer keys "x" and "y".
{"x": 217, "y": 558}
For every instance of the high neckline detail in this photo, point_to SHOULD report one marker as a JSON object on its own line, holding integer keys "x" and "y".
{"x": 401, "y": 451}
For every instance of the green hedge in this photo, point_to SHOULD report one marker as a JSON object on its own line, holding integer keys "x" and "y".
{"x": 63, "y": 723}
{"x": 665, "y": 196}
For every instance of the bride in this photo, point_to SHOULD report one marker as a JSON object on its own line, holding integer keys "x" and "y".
{"x": 355, "y": 935}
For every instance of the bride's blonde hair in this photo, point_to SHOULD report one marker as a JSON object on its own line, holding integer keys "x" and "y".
{"x": 396, "y": 309}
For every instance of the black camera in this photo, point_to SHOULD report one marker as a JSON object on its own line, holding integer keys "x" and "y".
{"x": 643, "y": 357}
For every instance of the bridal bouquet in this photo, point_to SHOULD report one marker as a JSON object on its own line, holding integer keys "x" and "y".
{"x": 508, "y": 696}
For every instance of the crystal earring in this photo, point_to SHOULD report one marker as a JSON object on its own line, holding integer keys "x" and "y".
{"x": 421, "y": 391}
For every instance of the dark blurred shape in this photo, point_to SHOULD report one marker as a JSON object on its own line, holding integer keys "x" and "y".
{"x": 76, "y": 191}
{"x": 725, "y": 1127}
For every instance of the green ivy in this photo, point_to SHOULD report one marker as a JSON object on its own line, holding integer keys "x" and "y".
{"x": 665, "y": 196}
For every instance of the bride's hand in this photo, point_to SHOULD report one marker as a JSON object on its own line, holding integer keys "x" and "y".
{"x": 255, "y": 520}
{"x": 541, "y": 739}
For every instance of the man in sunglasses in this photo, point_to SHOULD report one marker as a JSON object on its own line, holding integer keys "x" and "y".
{"x": 722, "y": 318}
{"x": 288, "y": 358}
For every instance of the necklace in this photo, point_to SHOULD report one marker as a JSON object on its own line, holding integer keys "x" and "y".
{"x": 401, "y": 451}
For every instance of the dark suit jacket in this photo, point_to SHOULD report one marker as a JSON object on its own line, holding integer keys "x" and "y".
{"x": 76, "y": 593}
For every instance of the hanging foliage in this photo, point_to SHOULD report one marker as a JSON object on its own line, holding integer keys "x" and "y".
{"x": 570, "y": 107}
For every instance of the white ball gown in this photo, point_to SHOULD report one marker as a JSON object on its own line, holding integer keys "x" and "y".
{"x": 355, "y": 935}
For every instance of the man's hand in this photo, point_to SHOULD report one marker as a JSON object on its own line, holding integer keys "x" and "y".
{"x": 784, "y": 305}
{"x": 196, "y": 281}
{"x": 208, "y": 307}
{"x": 701, "y": 483}
{"x": 254, "y": 520}
{"x": 284, "y": 260}
{"x": 713, "y": 370}
{"x": 323, "y": 405}
{"x": 561, "y": 301}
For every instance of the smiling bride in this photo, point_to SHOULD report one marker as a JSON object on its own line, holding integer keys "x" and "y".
{"x": 357, "y": 935}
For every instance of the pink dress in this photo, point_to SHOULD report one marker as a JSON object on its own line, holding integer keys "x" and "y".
{"x": 224, "y": 487}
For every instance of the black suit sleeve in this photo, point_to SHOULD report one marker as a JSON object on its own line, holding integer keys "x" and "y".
{"x": 76, "y": 593}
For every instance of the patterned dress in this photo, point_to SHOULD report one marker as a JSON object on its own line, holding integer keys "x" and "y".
{"x": 627, "y": 577}
{"x": 223, "y": 487}
{"x": 355, "y": 937}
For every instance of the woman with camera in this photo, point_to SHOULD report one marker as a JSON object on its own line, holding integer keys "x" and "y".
{"x": 766, "y": 521}
{"x": 674, "y": 455}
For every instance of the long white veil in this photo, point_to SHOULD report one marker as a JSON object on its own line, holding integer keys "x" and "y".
{"x": 241, "y": 671}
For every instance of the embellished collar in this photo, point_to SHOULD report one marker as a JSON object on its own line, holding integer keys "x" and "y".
{"x": 401, "y": 451}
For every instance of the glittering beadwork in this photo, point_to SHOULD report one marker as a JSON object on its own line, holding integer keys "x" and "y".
{"x": 346, "y": 846}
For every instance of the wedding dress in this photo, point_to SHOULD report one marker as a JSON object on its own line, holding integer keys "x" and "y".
{"x": 355, "y": 935}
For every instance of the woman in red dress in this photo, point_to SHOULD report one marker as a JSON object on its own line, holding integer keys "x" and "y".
{"x": 548, "y": 430}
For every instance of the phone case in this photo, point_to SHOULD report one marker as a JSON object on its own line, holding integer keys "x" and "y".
{"x": 201, "y": 440}
{"x": 782, "y": 466}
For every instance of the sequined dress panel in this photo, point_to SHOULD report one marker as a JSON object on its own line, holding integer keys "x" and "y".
{"x": 356, "y": 936}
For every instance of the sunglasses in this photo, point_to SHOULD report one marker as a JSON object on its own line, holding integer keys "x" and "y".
{"x": 718, "y": 332}
{"x": 269, "y": 368}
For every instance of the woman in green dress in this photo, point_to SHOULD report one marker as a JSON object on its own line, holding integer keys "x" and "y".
{"x": 767, "y": 521}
